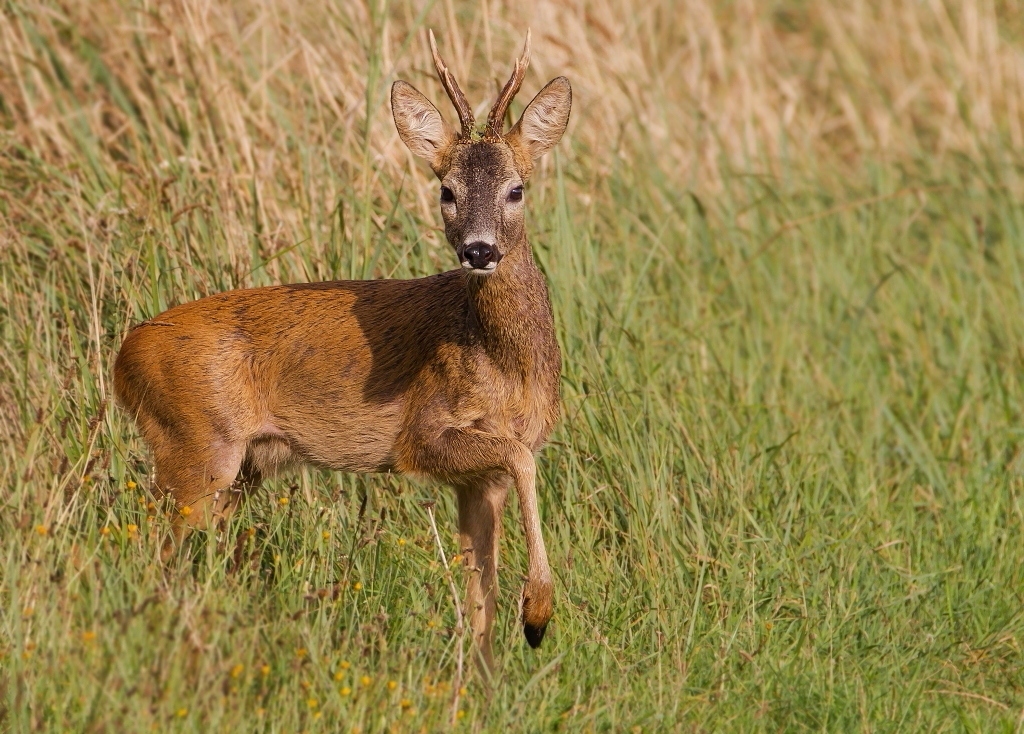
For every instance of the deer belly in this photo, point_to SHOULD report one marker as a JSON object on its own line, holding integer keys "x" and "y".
{"x": 329, "y": 403}
{"x": 348, "y": 437}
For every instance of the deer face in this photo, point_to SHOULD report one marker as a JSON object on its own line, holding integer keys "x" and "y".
{"x": 482, "y": 174}
{"x": 482, "y": 205}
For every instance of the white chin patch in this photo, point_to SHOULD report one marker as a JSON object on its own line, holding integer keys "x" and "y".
{"x": 479, "y": 271}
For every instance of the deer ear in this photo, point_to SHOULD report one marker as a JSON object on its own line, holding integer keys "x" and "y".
{"x": 544, "y": 119}
{"x": 419, "y": 124}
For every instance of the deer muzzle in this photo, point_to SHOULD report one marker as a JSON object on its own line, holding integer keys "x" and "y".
{"x": 480, "y": 257}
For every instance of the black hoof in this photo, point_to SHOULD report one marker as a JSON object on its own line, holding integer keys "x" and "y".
{"x": 534, "y": 634}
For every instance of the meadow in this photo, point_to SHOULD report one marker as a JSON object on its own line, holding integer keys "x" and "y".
{"x": 785, "y": 248}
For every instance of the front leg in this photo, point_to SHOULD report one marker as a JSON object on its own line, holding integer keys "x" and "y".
{"x": 481, "y": 502}
{"x": 459, "y": 454}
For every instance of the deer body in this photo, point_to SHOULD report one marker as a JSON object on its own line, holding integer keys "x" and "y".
{"x": 349, "y": 375}
{"x": 453, "y": 376}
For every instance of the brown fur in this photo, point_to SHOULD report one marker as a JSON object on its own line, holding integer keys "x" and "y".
{"x": 454, "y": 376}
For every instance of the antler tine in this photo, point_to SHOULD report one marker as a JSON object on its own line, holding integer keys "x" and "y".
{"x": 454, "y": 92}
{"x": 496, "y": 118}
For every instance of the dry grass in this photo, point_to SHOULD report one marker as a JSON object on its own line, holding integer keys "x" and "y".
{"x": 703, "y": 89}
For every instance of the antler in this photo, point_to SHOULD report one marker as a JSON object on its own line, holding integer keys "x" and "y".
{"x": 454, "y": 93}
{"x": 496, "y": 118}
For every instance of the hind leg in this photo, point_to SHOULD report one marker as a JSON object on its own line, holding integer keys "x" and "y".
{"x": 200, "y": 479}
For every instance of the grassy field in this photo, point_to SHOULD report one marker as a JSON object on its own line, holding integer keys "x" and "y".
{"x": 785, "y": 245}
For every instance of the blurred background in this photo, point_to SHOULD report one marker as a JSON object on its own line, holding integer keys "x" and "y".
{"x": 276, "y": 113}
{"x": 784, "y": 246}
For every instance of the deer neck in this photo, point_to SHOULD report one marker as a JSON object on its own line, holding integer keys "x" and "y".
{"x": 511, "y": 314}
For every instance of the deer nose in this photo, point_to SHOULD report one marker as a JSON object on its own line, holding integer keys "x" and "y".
{"x": 480, "y": 255}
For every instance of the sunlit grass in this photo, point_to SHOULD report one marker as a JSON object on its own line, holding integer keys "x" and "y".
{"x": 784, "y": 249}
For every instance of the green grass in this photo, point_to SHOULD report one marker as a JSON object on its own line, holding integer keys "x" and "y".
{"x": 786, "y": 492}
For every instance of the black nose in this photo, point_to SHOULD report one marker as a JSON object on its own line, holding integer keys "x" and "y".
{"x": 480, "y": 255}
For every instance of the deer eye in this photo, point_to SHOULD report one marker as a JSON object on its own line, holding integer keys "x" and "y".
{"x": 516, "y": 194}
{"x": 447, "y": 195}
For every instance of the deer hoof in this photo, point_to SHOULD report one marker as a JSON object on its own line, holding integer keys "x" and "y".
{"x": 534, "y": 634}
{"x": 537, "y": 608}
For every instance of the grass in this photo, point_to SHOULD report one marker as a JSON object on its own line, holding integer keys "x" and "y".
{"x": 784, "y": 249}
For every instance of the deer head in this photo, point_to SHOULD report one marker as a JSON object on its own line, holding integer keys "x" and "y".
{"x": 482, "y": 172}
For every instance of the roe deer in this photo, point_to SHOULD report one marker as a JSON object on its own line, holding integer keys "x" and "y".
{"x": 453, "y": 376}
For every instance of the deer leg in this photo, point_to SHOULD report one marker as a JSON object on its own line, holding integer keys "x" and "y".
{"x": 460, "y": 452}
{"x": 201, "y": 483}
{"x": 538, "y": 594}
{"x": 481, "y": 503}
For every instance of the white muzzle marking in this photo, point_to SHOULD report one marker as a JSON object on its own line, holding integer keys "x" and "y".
{"x": 479, "y": 271}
